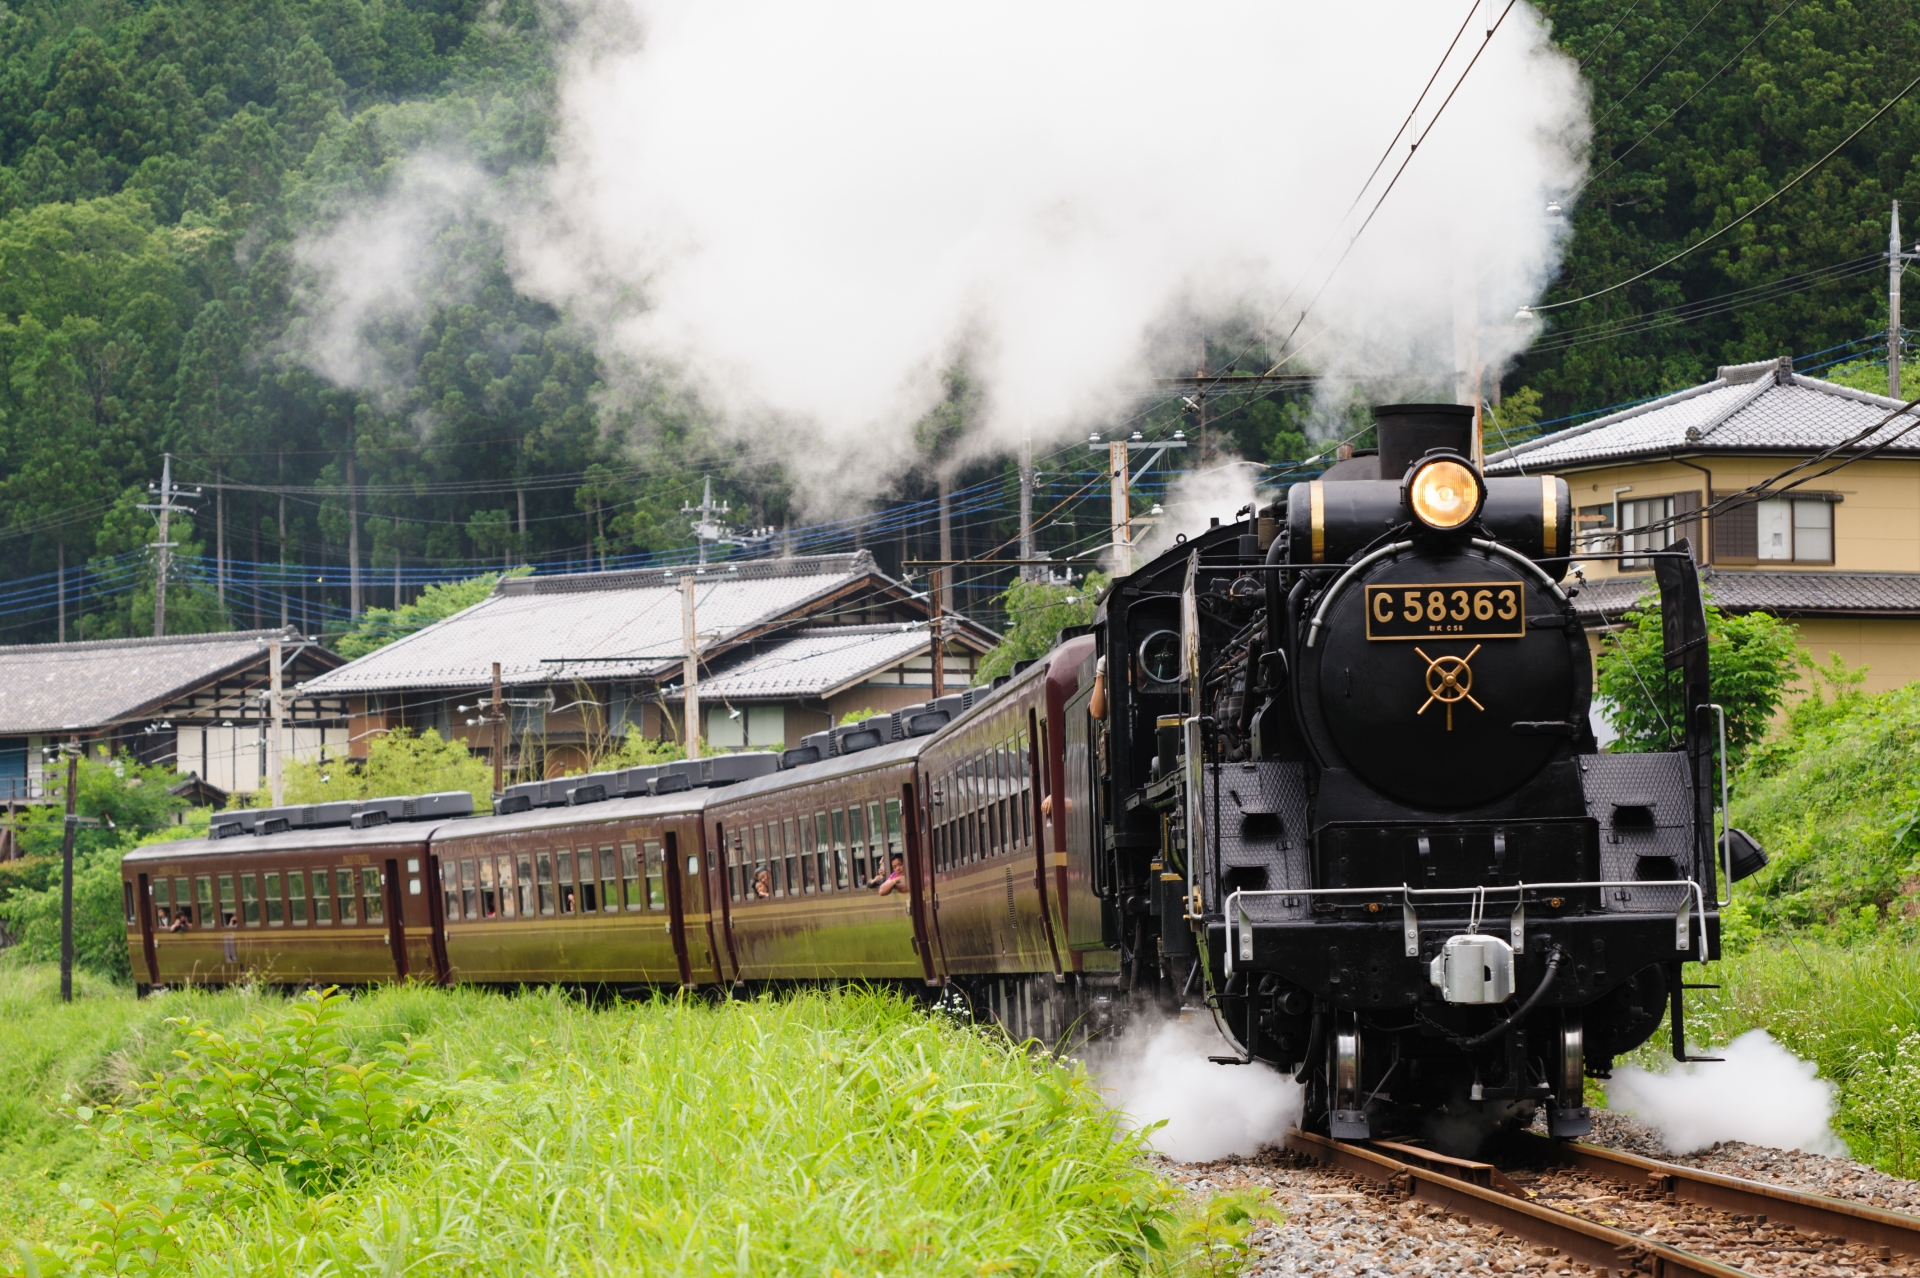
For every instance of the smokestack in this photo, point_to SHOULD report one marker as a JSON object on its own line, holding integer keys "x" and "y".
{"x": 1409, "y": 431}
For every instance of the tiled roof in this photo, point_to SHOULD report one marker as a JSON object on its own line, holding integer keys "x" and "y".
{"x": 1789, "y": 594}
{"x": 1764, "y": 407}
{"x": 818, "y": 663}
{"x": 617, "y": 625}
{"x": 52, "y": 687}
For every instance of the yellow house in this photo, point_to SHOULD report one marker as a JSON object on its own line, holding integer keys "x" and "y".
{"x": 1838, "y": 555}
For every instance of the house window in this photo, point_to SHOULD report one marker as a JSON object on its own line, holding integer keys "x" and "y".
{"x": 745, "y": 727}
{"x": 1650, "y": 515}
{"x": 1780, "y": 530}
{"x": 1596, "y": 528}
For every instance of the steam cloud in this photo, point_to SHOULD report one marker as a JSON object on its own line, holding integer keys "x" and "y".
{"x": 1761, "y": 1094}
{"x": 806, "y": 211}
{"x": 1210, "y": 1110}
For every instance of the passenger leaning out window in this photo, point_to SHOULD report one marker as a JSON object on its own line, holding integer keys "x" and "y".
{"x": 896, "y": 880}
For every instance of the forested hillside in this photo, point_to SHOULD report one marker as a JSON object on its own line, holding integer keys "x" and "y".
{"x": 166, "y": 167}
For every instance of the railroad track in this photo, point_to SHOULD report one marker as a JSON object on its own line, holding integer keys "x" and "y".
{"x": 1647, "y": 1218}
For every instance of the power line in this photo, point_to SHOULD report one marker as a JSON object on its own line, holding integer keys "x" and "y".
{"x": 1674, "y": 114}
{"x": 1804, "y": 174}
{"x": 1712, "y": 9}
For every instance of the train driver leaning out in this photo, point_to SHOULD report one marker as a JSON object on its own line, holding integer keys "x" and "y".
{"x": 762, "y": 886}
{"x": 896, "y": 880}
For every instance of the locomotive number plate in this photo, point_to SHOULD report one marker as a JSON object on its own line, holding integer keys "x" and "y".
{"x": 1457, "y": 610}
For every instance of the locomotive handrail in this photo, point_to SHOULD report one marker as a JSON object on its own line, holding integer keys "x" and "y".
{"x": 1478, "y": 891}
{"x": 1726, "y": 816}
{"x": 1333, "y": 591}
{"x": 1494, "y": 547}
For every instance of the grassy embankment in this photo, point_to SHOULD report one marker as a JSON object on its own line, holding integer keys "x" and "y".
{"x": 1824, "y": 944}
{"x": 818, "y": 1135}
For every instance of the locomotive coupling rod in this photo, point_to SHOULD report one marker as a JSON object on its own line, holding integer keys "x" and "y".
{"x": 1579, "y": 1238}
{"x": 1857, "y": 1222}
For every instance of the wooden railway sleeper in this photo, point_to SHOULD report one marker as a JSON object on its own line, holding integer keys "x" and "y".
{"x": 1856, "y": 1222}
{"x": 1601, "y": 1246}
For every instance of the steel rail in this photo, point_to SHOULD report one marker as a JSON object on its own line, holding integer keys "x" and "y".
{"x": 1856, "y": 1222}
{"x": 1601, "y": 1246}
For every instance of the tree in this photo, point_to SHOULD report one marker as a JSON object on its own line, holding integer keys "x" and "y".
{"x": 1038, "y": 611}
{"x": 398, "y": 762}
{"x": 1753, "y": 660}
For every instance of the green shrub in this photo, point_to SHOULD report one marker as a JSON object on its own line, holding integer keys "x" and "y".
{"x": 1836, "y": 804}
{"x": 1037, "y": 611}
{"x": 399, "y": 761}
{"x": 99, "y": 927}
{"x": 1753, "y": 659}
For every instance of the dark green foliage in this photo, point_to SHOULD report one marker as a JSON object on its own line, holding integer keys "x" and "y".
{"x": 1795, "y": 93}
{"x": 1037, "y": 612}
{"x": 1754, "y": 659}
{"x": 161, "y": 166}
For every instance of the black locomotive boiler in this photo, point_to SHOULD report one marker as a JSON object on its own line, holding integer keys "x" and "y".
{"x": 1346, "y": 793}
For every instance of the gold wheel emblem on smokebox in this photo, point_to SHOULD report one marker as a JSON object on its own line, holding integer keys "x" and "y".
{"x": 1449, "y": 680}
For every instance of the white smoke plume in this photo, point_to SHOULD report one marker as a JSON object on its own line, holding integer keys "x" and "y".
{"x": 1761, "y": 1094}
{"x": 1195, "y": 498}
{"x": 379, "y": 269}
{"x": 806, "y": 211}
{"x": 1210, "y": 1110}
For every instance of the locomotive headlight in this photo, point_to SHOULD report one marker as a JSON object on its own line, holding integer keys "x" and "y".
{"x": 1444, "y": 493}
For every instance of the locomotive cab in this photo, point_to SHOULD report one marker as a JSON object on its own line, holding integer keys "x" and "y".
{"x": 1349, "y": 796}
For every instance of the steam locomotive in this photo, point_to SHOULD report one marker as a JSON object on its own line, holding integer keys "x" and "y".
{"x": 1323, "y": 774}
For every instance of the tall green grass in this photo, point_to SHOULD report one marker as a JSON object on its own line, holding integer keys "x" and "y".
{"x": 826, "y": 1133}
{"x": 1851, "y": 1008}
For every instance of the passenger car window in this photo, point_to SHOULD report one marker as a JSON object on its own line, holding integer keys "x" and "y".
{"x": 630, "y": 872}
{"x": 876, "y": 841}
{"x": 276, "y": 912}
{"x": 469, "y": 889}
{"x": 839, "y": 819}
{"x": 203, "y": 892}
{"x": 297, "y": 897}
{"x": 450, "y": 891}
{"x": 857, "y": 844}
{"x": 609, "y": 881}
{"x": 371, "y": 895}
{"x": 489, "y": 891}
{"x": 544, "y": 863}
{"x": 343, "y": 887}
{"x": 250, "y": 899}
{"x": 656, "y": 877}
{"x": 523, "y": 871}
{"x": 563, "y": 872}
{"x": 323, "y": 896}
{"x": 589, "y": 885}
{"x": 504, "y": 876}
{"x": 788, "y": 884}
{"x": 894, "y": 839}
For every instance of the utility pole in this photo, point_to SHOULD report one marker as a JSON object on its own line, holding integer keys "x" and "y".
{"x": 66, "y": 872}
{"x": 499, "y": 747}
{"x": 168, "y": 503}
{"x": 690, "y": 681}
{"x": 277, "y": 754}
{"x": 706, "y": 528}
{"x": 1896, "y": 265}
{"x": 1026, "y": 508}
{"x": 937, "y": 650}
{"x": 1122, "y": 508}
{"x": 353, "y": 539}
{"x": 946, "y": 540}
{"x": 219, "y": 538}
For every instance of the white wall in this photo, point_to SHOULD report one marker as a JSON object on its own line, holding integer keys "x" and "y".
{"x": 235, "y": 759}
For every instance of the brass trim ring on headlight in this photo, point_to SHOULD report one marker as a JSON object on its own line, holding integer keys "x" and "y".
{"x": 1444, "y": 493}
